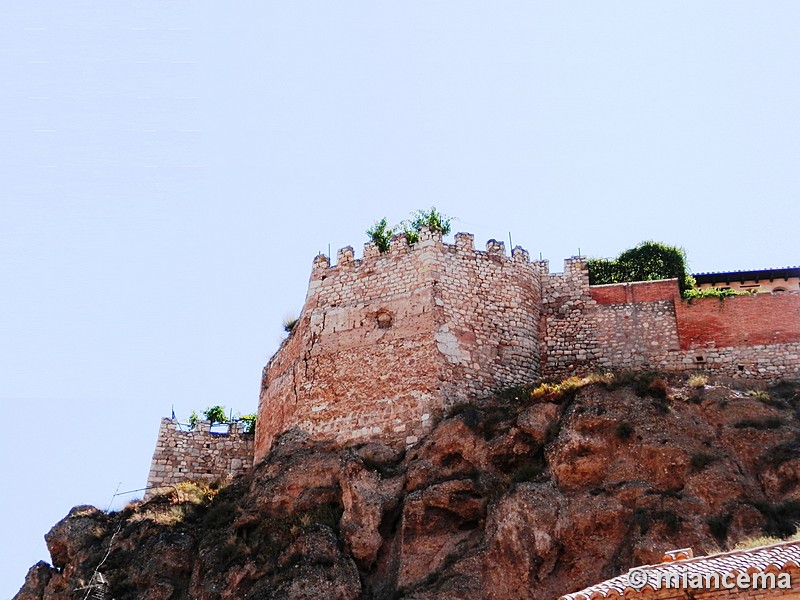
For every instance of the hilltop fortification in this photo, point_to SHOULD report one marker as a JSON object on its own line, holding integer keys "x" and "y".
{"x": 384, "y": 344}
{"x": 387, "y": 343}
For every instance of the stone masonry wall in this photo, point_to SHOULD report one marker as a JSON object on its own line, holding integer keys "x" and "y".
{"x": 489, "y": 335}
{"x": 198, "y": 454}
{"x": 648, "y": 325}
{"x": 569, "y": 341}
{"x": 385, "y": 343}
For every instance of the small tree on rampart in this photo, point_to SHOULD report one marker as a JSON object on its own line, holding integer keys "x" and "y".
{"x": 646, "y": 262}
{"x": 381, "y": 234}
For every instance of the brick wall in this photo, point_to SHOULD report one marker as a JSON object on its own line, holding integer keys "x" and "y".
{"x": 752, "y": 320}
{"x": 648, "y": 325}
{"x": 182, "y": 455}
{"x": 637, "y": 291}
{"x": 384, "y": 344}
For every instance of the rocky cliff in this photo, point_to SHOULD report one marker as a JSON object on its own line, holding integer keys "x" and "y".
{"x": 526, "y": 496}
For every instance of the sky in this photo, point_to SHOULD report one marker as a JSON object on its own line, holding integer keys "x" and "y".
{"x": 168, "y": 171}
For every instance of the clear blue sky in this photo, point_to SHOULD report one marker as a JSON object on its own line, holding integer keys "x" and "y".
{"x": 169, "y": 170}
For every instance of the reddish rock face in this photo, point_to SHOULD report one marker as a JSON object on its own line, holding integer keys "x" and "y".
{"x": 502, "y": 500}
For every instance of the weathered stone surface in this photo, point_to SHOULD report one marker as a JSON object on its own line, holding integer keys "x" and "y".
{"x": 199, "y": 454}
{"x": 82, "y": 526}
{"x": 479, "y": 508}
{"x": 537, "y": 421}
{"x": 386, "y": 345}
{"x": 36, "y": 581}
{"x": 363, "y": 506}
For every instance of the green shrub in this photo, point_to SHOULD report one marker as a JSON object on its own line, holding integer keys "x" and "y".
{"x": 698, "y": 381}
{"x": 653, "y": 384}
{"x": 194, "y": 491}
{"x": 646, "y": 262}
{"x": 215, "y": 414}
{"x": 289, "y": 322}
{"x": 566, "y": 388}
{"x": 658, "y": 388}
{"x": 381, "y": 235}
{"x": 220, "y": 514}
{"x": 764, "y": 396}
{"x": 721, "y": 293}
{"x": 432, "y": 219}
{"x": 248, "y": 422}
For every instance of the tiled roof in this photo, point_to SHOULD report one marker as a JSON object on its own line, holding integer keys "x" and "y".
{"x": 751, "y": 275}
{"x": 775, "y": 558}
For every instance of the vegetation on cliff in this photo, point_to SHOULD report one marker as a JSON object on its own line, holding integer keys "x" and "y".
{"x": 535, "y": 493}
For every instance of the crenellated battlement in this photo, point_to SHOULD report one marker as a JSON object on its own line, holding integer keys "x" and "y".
{"x": 399, "y": 247}
{"x": 182, "y": 454}
{"x": 386, "y": 343}
{"x": 417, "y": 328}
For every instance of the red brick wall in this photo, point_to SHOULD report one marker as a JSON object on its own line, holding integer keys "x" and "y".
{"x": 639, "y": 291}
{"x": 739, "y": 320}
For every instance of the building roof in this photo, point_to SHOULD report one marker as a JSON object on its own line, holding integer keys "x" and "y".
{"x": 773, "y": 558}
{"x": 756, "y": 275}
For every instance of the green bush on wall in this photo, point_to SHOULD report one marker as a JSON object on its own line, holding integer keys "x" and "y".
{"x": 646, "y": 262}
{"x": 381, "y": 235}
{"x": 215, "y": 414}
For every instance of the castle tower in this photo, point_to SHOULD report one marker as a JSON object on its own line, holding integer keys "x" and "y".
{"x": 386, "y": 343}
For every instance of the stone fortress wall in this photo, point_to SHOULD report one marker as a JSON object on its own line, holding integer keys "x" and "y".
{"x": 386, "y": 343}
{"x": 648, "y": 325}
{"x": 197, "y": 454}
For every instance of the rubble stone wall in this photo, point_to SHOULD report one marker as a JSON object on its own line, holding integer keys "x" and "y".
{"x": 386, "y": 343}
{"x": 648, "y": 325}
{"x": 198, "y": 454}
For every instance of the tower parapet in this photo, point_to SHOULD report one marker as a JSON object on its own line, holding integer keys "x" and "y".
{"x": 386, "y": 343}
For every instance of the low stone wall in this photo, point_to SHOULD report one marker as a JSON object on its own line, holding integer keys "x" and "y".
{"x": 647, "y": 325}
{"x": 198, "y": 454}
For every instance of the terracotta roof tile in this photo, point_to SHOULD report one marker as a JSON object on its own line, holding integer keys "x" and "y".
{"x": 777, "y": 557}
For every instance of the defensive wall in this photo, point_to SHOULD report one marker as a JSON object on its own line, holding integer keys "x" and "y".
{"x": 648, "y": 325}
{"x": 197, "y": 454}
{"x": 386, "y": 343}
